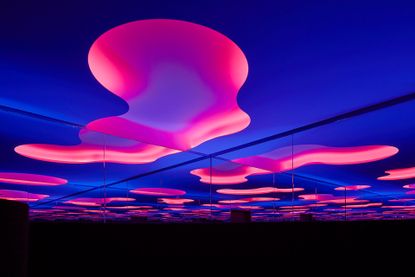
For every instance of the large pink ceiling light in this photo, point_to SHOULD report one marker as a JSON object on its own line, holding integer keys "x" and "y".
{"x": 175, "y": 201}
{"x": 158, "y": 191}
{"x": 353, "y": 187}
{"x": 97, "y": 202}
{"x": 288, "y": 158}
{"x": 248, "y": 200}
{"x": 258, "y": 191}
{"x": 30, "y": 179}
{"x": 331, "y": 199}
{"x": 22, "y": 196}
{"x": 399, "y": 174}
{"x": 180, "y": 81}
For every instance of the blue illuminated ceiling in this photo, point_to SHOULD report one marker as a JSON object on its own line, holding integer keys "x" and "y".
{"x": 308, "y": 61}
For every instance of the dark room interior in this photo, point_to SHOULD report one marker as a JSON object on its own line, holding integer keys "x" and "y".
{"x": 142, "y": 129}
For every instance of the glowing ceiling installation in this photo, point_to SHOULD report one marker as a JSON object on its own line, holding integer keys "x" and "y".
{"x": 353, "y": 187}
{"x": 331, "y": 199}
{"x": 21, "y": 196}
{"x": 95, "y": 147}
{"x": 402, "y": 200}
{"x": 218, "y": 206}
{"x": 316, "y": 197}
{"x": 399, "y": 174}
{"x": 189, "y": 72}
{"x": 289, "y": 158}
{"x": 247, "y": 200}
{"x": 158, "y": 191}
{"x": 227, "y": 174}
{"x": 236, "y": 201}
{"x": 175, "y": 201}
{"x": 258, "y": 191}
{"x": 244, "y": 207}
{"x": 342, "y": 200}
{"x": 97, "y": 202}
{"x": 174, "y": 209}
{"x": 359, "y": 206}
{"x": 30, "y": 179}
{"x": 130, "y": 207}
{"x": 399, "y": 207}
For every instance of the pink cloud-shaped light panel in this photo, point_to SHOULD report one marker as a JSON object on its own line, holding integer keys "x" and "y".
{"x": 30, "y": 179}
{"x": 250, "y": 207}
{"x": 219, "y": 206}
{"x": 22, "y": 196}
{"x": 287, "y": 158}
{"x": 248, "y": 200}
{"x": 158, "y": 191}
{"x": 96, "y": 202}
{"x": 402, "y": 200}
{"x": 358, "y": 206}
{"x": 399, "y": 174}
{"x": 180, "y": 81}
{"x": 331, "y": 199}
{"x": 175, "y": 201}
{"x": 353, "y": 187}
{"x": 258, "y": 191}
{"x": 399, "y": 207}
{"x": 129, "y": 207}
{"x": 315, "y": 205}
{"x": 316, "y": 197}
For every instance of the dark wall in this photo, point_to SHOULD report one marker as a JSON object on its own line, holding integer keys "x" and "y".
{"x": 14, "y": 233}
{"x": 72, "y": 246}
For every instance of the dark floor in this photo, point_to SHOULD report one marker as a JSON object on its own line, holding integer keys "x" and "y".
{"x": 73, "y": 246}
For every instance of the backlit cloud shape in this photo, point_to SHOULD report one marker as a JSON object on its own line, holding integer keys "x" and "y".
{"x": 359, "y": 206}
{"x": 218, "y": 206}
{"x": 22, "y": 196}
{"x": 175, "y": 201}
{"x": 294, "y": 207}
{"x": 289, "y": 158}
{"x": 175, "y": 209}
{"x": 399, "y": 207}
{"x": 180, "y": 81}
{"x": 97, "y": 202}
{"x": 232, "y": 201}
{"x": 130, "y": 207}
{"x": 399, "y": 174}
{"x": 92, "y": 149}
{"x": 317, "y": 197}
{"x": 258, "y": 191}
{"x": 353, "y": 187}
{"x": 342, "y": 200}
{"x": 402, "y": 200}
{"x": 314, "y": 205}
{"x": 227, "y": 174}
{"x": 331, "y": 199}
{"x": 245, "y": 207}
{"x": 158, "y": 191}
{"x": 30, "y": 179}
{"x": 248, "y": 200}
